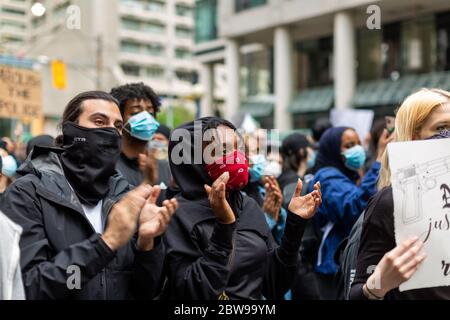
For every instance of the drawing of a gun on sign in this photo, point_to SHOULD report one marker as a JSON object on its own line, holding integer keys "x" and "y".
{"x": 416, "y": 180}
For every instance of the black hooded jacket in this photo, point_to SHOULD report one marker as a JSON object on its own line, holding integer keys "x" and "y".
{"x": 58, "y": 239}
{"x": 209, "y": 260}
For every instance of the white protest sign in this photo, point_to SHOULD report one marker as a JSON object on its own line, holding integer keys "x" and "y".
{"x": 421, "y": 189}
{"x": 360, "y": 120}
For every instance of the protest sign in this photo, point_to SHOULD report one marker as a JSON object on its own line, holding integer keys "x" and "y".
{"x": 421, "y": 189}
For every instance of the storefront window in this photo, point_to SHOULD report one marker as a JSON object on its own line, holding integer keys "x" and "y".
{"x": 390, "y": 51}
{"x": 314, "y": 59}
{"x": 418, "y": 45}
{"x": 256, "y": 73}
{"x": 369, "y": 54}
{"x": 443, "y": 41}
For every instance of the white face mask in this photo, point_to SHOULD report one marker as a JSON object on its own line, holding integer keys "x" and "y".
{"x": 273, "y": 168}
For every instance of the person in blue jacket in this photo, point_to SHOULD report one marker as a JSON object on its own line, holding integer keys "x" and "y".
{"x": 345, "y": 194}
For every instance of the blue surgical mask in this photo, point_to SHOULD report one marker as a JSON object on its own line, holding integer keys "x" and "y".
{"x": 142, "y": 126}
{"x": 312, "y": 161}
{"x": 9, "y": 166}
{"x": 355, "y": 158}
{"x": 257, "y": 168}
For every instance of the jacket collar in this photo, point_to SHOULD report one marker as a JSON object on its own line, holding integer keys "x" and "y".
{"x": 44, "y": 163}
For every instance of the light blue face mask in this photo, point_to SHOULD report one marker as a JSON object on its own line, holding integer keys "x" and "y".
{"x": 312, "y": 160}
{"x": 9, "y": 166}
{"x": 355, "y": 158}
{"x": 257, "y": 168}
{"x": 142, "y": 126}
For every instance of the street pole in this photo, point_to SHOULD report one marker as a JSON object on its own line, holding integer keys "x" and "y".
{"x": 99, "y": 62}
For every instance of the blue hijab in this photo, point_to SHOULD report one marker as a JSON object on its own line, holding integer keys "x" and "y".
{"x": 329, "y": 154}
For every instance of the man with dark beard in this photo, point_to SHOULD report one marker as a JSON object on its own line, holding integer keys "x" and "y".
{"x": 85, "y": 234}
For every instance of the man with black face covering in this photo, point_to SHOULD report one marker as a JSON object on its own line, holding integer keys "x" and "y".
{"x": 85, "y": 234}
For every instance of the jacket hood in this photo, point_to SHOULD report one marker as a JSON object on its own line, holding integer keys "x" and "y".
{"x": 190, "y": 175}
{"x": 42, "y": 159}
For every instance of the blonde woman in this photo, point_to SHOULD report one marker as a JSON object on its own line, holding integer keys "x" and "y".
{"x": 423, "y": 115}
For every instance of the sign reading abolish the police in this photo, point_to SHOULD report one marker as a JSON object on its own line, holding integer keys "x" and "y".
{"x": 20, "y": 93}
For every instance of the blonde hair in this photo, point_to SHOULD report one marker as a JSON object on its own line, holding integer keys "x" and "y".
{"x": 409, "y": 118}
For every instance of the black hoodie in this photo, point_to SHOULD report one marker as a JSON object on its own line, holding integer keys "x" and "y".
{"x": 209, "y": 260}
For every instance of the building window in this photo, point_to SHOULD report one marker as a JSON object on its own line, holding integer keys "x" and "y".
{"x": 417, "y": 41}
{"x": 241, "y": 5}
{"x": 131, "y": 70}
{"x": 369, "y": 55}
{"x": 131, "y": 24}
{"x": 155, "y": 49}
{"x": 13, "y": 11}
{"x": 183, "y": 53}
{"x": 156, "y": 6}
{"x": 11, "y": 24}
{"x": 315, "y": 62}
{"x": 155, "y": 72}
{"x": 154, "y": 27}
{"x": 186, "y": 76}
{"x": 183, "y": 11}
{"x": 443, "y": 41}
{"x": 256, "y": 73}
{"x": 205, "y": 20}
{"x": 183, "y": 32}
{"x": 129, "y": 46}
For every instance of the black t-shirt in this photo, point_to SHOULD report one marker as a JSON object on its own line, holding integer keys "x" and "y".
{"x": 378, "y": 238}
{"x": 129, "y": 168}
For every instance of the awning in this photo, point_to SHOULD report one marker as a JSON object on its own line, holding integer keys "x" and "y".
{"x": 313, "y": 100}
{"x": 385, "y": 92}
{"x": 259, "y": 107}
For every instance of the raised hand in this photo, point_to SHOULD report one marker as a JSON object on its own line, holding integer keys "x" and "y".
{"x": 218, "y": 201}
{"x": 396, "y": 267}
{"x": 154, "y": 220}
{"x": 149, "y": 166}
{"x": 305, "y": 206}
{"x": 274, "y": 198}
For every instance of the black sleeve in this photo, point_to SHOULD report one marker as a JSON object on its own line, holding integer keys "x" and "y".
{"x": 377, "y": 238}
{"x": 44, "y": 273}
{"x": 148, "y": 271}
{"x": 283, "y": 260}
{"x": 191, "y": 273}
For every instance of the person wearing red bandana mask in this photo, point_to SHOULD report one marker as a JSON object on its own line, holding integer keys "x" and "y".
{"x": 219, "y": 245}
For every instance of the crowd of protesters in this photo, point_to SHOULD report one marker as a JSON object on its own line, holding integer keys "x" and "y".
{"x": 120, "y": 206}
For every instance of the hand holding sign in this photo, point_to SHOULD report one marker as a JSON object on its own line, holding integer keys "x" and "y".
{"x": 396, "y": 267}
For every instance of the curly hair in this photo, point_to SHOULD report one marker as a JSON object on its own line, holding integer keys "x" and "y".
{"x": 138, "y": 91}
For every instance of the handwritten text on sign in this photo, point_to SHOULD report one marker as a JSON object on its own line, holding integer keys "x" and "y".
{"x": 20, "y": 93}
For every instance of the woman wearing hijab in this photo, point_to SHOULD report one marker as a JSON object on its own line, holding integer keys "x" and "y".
{"x": 219, "y": 246}
{"x": 338, "y": 162}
